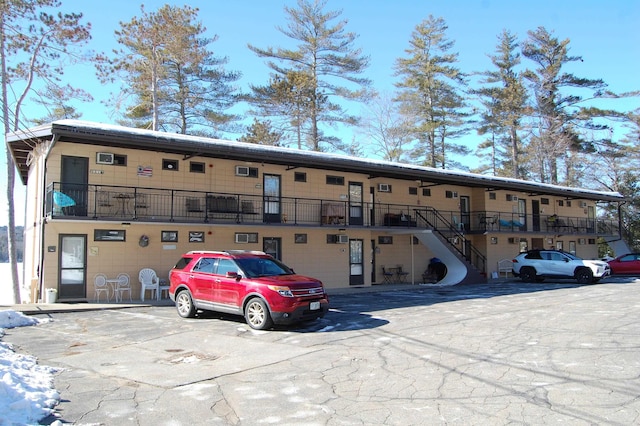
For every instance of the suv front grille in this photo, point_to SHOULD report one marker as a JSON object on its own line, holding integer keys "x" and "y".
{"x": 307, "y": 292}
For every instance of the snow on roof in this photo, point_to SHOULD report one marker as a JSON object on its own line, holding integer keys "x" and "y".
{"x": 375, "y": 167}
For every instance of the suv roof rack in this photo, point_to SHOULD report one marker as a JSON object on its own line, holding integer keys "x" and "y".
{"x": 244, "y": 252}
{"x": 226, "y": 252}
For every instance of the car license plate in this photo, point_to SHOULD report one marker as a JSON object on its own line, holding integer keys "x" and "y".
{"x": 314, "y": 306}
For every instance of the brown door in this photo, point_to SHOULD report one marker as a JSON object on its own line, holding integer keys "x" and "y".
{"x": 537, "y": 243}
{"x": 535, "y": 215}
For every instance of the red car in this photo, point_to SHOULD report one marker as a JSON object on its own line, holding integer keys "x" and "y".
{"x": 248, "y": 283}
{"x": 627, "y": 264}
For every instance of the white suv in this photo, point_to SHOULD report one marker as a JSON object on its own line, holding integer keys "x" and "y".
{"x": 535, "y": 265}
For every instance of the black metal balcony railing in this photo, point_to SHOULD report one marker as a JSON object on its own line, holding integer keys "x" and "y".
{"x": 120, "y": 203}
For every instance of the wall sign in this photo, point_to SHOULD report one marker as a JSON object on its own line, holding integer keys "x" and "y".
{"x": 169, "y": 236}
{"x": 109, "y": 235}
{"x": 196, "y": 237}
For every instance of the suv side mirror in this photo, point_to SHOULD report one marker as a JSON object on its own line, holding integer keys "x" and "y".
{"x": 231, "y": 274}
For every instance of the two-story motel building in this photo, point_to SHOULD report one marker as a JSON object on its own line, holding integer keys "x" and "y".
{"x": 109, "y": 199}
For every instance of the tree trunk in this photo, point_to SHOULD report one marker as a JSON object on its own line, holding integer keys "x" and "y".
{"x": 11, "y": 173}
{"x": 11, "y": 229}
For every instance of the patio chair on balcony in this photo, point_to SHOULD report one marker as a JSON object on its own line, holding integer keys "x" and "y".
{"x": 458, "y": 225}
{"x": 141, "y": 201}
{"x": 482, "y": 221}
{"x": 104, "y": 199}
{"x": 193, "y": 205}
{"x": 493, "y": 221}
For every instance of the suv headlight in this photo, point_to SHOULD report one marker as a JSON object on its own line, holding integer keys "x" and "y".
{"x": 282, "y": 291}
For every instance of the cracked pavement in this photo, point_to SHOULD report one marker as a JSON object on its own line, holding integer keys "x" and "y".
{"x": 499, "y": 353}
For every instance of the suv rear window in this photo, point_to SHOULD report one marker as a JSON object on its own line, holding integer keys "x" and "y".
{"x": 182, "y": 263}
{"x": 533, "y": 255}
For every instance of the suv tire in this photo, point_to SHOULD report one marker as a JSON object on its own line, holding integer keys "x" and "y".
{"x": 184, "y": 304}
{"x": 257, "y": 315}
{"x": 528, "y": 274}
{"x": 584, "y": 276}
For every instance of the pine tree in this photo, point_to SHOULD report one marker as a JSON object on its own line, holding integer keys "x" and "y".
{"x": 326, "y": 54}
{"x": 261, "y": 132}
{"x": 174, "y": 79}
{"x": 557, "y": 141}
{"x": 55, "y": 99}
{"x": 287, "y": 99}
{"x": 430, "y": 94}
{"x": 503, "y": 97}
{"x": 617, "y": 164}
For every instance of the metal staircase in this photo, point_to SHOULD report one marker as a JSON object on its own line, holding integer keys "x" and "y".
{"x": 451, "y": 237}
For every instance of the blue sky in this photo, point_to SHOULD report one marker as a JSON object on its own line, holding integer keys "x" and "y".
{"x": 604, "y": 33}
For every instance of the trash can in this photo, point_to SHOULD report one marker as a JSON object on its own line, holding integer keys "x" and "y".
{"x": 52, "y": 295}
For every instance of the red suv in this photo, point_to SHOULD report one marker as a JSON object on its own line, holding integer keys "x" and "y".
{"x": 248, "y": 283}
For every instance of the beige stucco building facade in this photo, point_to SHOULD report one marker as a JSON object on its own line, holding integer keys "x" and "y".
{"x": 108, "y": 199}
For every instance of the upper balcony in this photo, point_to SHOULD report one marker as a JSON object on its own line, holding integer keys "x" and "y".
{"x": 120, "y": 203}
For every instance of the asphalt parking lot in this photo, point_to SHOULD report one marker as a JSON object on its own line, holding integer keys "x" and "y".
{"x": 501, "y": 353}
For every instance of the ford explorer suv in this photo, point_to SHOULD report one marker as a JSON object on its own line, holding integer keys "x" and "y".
{"x": 248, "y": 283}
{"x": 536, "y": 265}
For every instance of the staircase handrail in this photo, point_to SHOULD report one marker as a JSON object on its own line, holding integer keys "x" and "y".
{"x": 432, "y": 218}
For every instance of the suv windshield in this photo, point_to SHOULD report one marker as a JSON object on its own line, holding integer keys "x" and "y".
{"x": 262, "y": 267}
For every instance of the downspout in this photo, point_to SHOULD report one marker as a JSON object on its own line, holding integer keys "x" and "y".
{"x": 43, "y": 221}
{"x": 620, "y": 222}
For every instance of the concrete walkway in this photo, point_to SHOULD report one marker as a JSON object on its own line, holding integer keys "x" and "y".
{"x": 39, "y": 308}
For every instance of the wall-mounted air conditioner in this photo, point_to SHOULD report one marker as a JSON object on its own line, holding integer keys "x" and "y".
{"x": 384, "y": 187}
{"x": 343, "y": 239}
{"x": 242, "y": 171}
{"x": 242, "y": 238}
{"x": 514, "y": 198}
{"x": 104, "y": 158}
{"x": 583, "y": 204}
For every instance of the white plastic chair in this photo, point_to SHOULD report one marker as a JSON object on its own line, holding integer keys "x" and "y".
{"x": 149, "y": 281}
{"x": 122, "y": 286}
{"x": 100, "y": 286}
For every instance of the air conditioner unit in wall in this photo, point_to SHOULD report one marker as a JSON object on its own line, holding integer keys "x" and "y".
{"x": 104, "y": 158}
{"x": 384, "y": 187}
{"x": 242, "y": 171}
{"x": 514, "y": 198}
{"x": 242, "y": 238}
{"x": 583, "y": 204}
{"x": 343, "y": 239}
